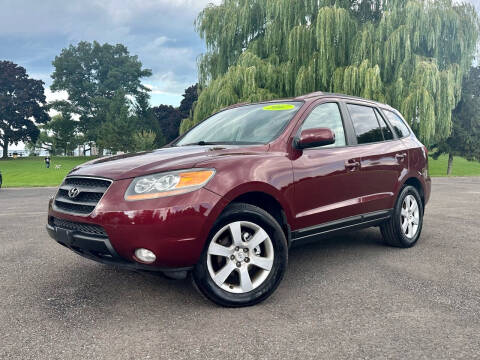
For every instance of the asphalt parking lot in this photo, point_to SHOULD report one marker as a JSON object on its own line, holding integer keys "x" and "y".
{"x": 345, "y": 297}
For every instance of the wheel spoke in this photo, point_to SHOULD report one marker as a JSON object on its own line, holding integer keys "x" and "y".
{"x": 262, "y": 262}
{"x": 245, "y": 280}
{"x": 414, "y": 206}
{"x": 219, "y": 250}
{"x": 236, "y": 231}
{"x": 410, "y": 229}
{"x": 405, "y": 225}
{"x": 223, "y": 274}
{"x": 404, "y": 212}
{"x": 259, "y": 237}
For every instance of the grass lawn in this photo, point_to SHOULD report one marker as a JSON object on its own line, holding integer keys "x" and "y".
{"x": 31, "y": 171}
{"x": 460, "y": 167}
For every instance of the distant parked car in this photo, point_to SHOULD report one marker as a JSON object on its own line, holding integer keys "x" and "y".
{"x": 227, "y": 199}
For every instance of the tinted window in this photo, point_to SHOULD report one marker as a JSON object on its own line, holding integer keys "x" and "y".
{"x": 397, "y": 124}
{"x": 327, "y": 116}
{"x": 250, "y": 124}
{"x": 387, "y": 133}
{"x": 365, "y": 124}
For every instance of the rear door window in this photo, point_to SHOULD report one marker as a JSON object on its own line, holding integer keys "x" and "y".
{"x": 397, "y": 124}
{"x": 365, "y": 124}
{"x": 387, "y": 133}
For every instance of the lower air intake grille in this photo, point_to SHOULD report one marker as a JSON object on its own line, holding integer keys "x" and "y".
{"x": 80, "y": 195}
{"x": 84, "y": 228}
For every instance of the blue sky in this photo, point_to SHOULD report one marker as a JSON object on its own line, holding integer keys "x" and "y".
{"x": 160, "y": 32}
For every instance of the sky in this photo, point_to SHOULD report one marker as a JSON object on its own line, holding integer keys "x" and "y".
{"x": 160, "y": 32}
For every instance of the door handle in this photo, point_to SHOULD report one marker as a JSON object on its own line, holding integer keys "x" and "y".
{"x": 400, "y": 156}
{"x": 352, "y": 165}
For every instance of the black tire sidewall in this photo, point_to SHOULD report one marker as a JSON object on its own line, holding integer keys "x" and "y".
{"x": 244, "y": 212}
{"x": 405, "y": 241}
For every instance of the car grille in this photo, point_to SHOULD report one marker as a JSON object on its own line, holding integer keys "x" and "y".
{"x": 89, "y": 191}
{"x": 88, "y": 229}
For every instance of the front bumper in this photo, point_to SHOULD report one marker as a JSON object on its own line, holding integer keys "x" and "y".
{"x": 99, "y": 248}
{"x": 174, "y": 228}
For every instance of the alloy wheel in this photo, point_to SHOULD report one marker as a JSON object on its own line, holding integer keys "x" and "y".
{"x": 240, "y": 257}
{"x": 410, "y": 216}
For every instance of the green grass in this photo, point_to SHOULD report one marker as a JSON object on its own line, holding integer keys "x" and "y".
{"x": 31, "y": 171}
{"x": 460, "y": 167}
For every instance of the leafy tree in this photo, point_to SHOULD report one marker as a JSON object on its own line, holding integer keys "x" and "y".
{"x": 465, "y": 137}
{"x": 411, "y": 54}
{"x": 59, "y": 136}
{"x": 22, "y": 106}
{"x": 144, "y": 140}
{"x": 147, "y": 122}
{"x": 116, "y": 131}
{"x": 189, "y": 98}
{"x": 93, "y": 74}
{"x": 170, "y": 118}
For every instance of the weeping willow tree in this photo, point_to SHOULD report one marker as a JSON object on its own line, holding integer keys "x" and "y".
{"x": 410, "y": 54}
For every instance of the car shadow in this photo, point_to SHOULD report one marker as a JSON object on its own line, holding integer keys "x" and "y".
{"x": 107, "y": 291}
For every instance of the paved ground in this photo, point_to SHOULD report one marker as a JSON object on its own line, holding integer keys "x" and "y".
{"x": 347, "y": 297}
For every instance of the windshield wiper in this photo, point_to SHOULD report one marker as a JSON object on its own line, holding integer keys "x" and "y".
{"x": 205, "y": 143}
{"x": 202, "y": 143}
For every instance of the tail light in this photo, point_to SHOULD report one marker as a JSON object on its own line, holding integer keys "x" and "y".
{"x": 425, "y": 170}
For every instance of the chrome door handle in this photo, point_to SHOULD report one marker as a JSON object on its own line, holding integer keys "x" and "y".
{"x": 352, "y": 165}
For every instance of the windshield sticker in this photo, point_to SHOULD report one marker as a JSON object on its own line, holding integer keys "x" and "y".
{"x": 279, "y": 107}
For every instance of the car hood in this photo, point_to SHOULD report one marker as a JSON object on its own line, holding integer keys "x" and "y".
{"x": 171, "y": 158}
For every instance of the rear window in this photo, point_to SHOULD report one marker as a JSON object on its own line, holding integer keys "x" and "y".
{"x": 397, "y": 124}
{"x": 365, "y": 124}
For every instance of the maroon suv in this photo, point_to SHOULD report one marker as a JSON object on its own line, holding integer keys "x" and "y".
{"x": 228, "y": 198}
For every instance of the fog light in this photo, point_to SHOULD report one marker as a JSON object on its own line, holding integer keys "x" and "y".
{"x": 145, "y": 255}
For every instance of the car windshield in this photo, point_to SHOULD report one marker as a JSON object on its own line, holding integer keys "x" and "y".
{"x": 249, "y": 124}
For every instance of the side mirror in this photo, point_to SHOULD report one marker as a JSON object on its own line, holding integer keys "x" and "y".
{"x": 314, "y": 138}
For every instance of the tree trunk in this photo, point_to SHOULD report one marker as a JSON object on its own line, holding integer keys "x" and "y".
{"x": 450, "y": 162}
{"x": 100, "y": 151}
{"x": 5, "y": 149}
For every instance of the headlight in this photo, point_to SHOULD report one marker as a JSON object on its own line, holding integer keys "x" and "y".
{"x": 167, "y": 184}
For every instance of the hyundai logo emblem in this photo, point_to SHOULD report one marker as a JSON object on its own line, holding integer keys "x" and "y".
{"x": 73, "y": 192}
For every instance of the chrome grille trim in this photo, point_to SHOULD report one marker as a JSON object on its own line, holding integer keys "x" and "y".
{"x": 90, "y": 192}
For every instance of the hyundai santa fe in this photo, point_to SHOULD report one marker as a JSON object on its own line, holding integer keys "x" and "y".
{"x": 225, "y": 201}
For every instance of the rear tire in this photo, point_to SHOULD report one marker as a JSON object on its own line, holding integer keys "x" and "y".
{"x": 405, "y": 226}
{"x": 244, "y": 259}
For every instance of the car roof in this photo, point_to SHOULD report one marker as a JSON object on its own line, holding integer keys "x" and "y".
{"x": 320, "y": 94}
{"x": 315, "y": 96}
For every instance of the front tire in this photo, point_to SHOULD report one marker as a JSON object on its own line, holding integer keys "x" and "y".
{"x": 244, "y": 259}
{"x": 405, "y": 226}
